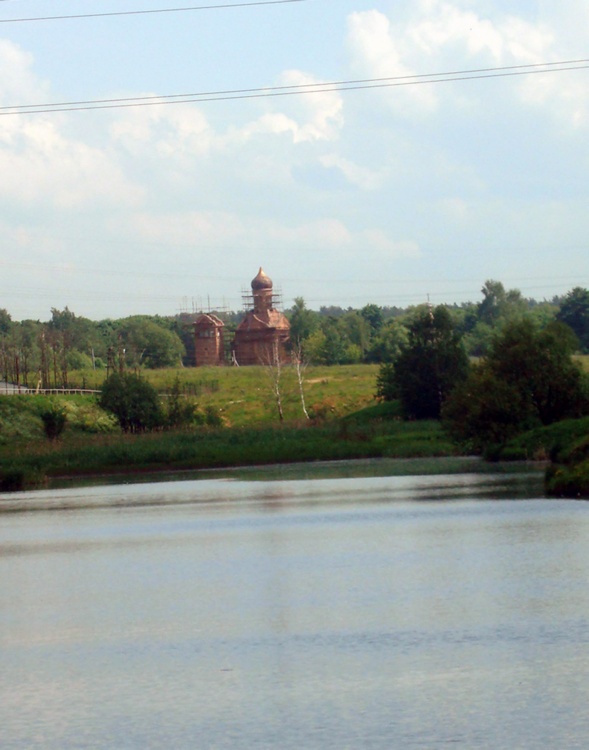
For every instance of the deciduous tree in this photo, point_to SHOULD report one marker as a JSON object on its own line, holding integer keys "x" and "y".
{"x": 133, "y": 401}
{"x": 527, "y": 379}
{"x": 574, "y": 312}
{"x": 428, "y": 367}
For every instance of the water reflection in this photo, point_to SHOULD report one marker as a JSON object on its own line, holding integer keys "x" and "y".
{"x": 372, "y": 612}
{"x": 378, "y": 480}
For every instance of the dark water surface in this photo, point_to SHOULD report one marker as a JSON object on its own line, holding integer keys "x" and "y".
{"x": 355, "y": 612}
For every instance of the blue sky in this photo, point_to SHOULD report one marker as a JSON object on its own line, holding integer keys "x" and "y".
{"x": 382, "y": 195}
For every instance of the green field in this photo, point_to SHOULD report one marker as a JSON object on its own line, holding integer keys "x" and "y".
{"x": 244, "y": 395}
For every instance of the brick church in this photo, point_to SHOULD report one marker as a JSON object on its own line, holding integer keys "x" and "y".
{"x": 262, "y": 337}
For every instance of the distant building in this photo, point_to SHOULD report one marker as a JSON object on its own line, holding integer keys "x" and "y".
{"x": 209, "y": 341}
{"x": 262, "y": 337}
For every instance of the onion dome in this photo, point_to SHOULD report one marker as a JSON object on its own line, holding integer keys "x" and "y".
{"x": 261, "y": 281}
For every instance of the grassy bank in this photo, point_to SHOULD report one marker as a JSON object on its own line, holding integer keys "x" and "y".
{"x": 566, "y": 445}
{"x": 83, "y": 455}
{"x": 92, "y": 442}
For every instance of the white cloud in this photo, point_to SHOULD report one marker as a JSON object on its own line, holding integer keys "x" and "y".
{"x": 442, "y": 25}
{"x": 362, "y": 177}
{"x": 172, "y": 131}
{"x": 378, "y": 51}
{"x": 203, "y": 231}
{"x": 18, "y": 83}
{"x": 42, "y": 159}
{"x": 312, "y": 117}
{"x": 440, "y": 36}
{"x": 38, "y": 163}
{"x": 191, "y": 229}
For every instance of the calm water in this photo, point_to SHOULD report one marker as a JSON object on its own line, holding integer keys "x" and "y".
{"x": 355, "y": 612}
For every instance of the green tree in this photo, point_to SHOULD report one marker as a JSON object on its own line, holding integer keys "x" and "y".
{"x": 327, "y": 345}
{"x": 356, "y": 332}
{"x": 334, "y": 347}
{"x": 429, "y": 366}
{"x": 150, "y": 344}
{"x": 486, "y": 410}
{"x": 527, "y": 379}
{"x": 386, "y": 384}
{"x": 303, "y": 322}
{"x": 5, "y": 321}
{"x": 478, "y": 340}
{"x": 498, "y": 303}
{"x": 574, "y": 311}
{"x": 75, "y": 340}
{"x": 314, "y": 347}
{"x": 27, "y": 359}
{"x": 386, "y": 345}
{"x": 133, "y": 401}
{"x": 373, "y": 315}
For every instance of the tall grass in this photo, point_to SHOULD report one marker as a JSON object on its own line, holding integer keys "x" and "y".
{"x": 216, "y": 448}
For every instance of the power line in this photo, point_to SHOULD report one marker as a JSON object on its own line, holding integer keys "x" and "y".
{"x": 146, "y": 12}
{"x": 122, "y": 273}
{"x": 299, "y": 89}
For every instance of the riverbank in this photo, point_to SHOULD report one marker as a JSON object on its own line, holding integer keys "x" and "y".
{"x": 38, "y": 464}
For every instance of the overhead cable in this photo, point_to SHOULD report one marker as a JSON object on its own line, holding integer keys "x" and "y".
{"x": 298, "y": 89}
{"x": 145, "y": 12}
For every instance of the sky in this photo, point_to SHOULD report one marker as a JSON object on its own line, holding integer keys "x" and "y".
{"x": 382, "y": 194}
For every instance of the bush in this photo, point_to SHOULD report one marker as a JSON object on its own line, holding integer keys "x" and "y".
{"x": 180, "y": 411}
{"x": 54, "y": 420}
{"x": 212, "y": 417}
{"x": 133, "y": 401}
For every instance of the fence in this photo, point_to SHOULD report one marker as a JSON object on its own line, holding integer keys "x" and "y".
{"x": 9, "y": 389}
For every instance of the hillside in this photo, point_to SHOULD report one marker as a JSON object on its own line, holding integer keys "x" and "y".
{"x": 245, "y": 395}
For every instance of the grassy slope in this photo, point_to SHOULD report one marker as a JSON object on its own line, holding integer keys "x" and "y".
{"x": 244, "y": 394}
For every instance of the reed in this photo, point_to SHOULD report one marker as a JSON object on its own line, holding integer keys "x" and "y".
{"x": 84, "y": 454}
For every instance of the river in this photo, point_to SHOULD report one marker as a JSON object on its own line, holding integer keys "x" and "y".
{"x": 342, "y": 609}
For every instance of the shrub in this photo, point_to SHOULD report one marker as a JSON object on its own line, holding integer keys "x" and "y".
{"x": 54, "y": 420}
{"x": 180, "y": 411}
{"x": 133, "y": 401}
{"x": 212, "y": 417}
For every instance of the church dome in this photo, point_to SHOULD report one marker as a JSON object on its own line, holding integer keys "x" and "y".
{"x": 261, "y": 281}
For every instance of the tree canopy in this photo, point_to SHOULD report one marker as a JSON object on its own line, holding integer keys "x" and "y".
{"x": 133, "y": 401}
{"x": 574, "y": 312}
{"x": 428, "y": 367}
{"x": 527, "y": 379}
{"x": 150, "y": 344}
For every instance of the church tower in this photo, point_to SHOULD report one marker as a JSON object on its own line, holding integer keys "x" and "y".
{"x": 262, "y": 337}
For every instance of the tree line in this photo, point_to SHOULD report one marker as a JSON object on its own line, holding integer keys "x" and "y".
{"x": 376, "y": 334}
{"x": 34, "y": 353}
{"x": 525, "y": 378}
